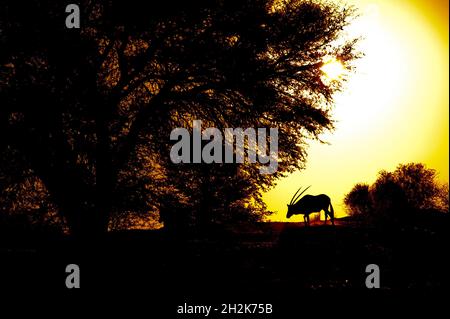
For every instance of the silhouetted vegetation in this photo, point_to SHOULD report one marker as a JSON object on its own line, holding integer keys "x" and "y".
{"x": 86, "y": 114}
{"x": 85, "y": 119}
{"x": 398, "y": 195}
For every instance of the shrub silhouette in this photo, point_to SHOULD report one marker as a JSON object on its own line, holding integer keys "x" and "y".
{"x": 358, "y": 200}
{"x": 410, "y": 188}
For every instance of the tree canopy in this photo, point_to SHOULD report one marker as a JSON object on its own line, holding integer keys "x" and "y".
{"x": 87, "y": 113}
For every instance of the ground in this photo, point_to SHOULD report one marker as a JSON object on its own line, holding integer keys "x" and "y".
{"x": 267, "y": 262}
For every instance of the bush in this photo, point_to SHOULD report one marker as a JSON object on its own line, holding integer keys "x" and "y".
{"x": 411, "y": 187}
{"x": 358, "y": 200}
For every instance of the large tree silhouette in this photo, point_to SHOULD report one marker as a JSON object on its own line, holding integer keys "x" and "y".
{"x": 88, "y": 112}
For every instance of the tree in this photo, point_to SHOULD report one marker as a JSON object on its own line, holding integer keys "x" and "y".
{"x": 419, "y": 184}
{"x": 411, "y": 187}
{"x": 89, "y": 111}
{"x": 358, "y": 200}
{"x": 442, "y": 198}
{"x": 388, "y": 198}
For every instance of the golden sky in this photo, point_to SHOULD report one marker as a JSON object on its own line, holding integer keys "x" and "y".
{"x": 395, "y": 108}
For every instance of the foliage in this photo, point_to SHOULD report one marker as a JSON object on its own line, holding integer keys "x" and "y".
{"x": 357, "y": 200}
{"x": 89, "y": 111}
{"x": 411, "y": 187}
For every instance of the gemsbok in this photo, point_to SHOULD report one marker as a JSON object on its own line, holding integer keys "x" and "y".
{"x": 309, "y": 204}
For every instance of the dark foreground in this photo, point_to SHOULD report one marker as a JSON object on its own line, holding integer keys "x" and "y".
{"x": 284, "y": 264}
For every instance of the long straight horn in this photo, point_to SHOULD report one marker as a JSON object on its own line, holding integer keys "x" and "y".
{"x": 292, "y": 199}
{"x": 301, "y": 194}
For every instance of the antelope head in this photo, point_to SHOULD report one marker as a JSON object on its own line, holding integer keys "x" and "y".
{"x": 294, "y": 200}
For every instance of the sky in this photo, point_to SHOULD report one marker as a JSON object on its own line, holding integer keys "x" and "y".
{"x": 394, "y": 110}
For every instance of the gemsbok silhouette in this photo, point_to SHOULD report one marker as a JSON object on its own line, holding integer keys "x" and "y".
{"x": 310, "y": 204}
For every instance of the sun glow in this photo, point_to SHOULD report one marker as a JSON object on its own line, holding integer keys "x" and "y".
{"x": 333, "y": 69}
{"x": 393, "y": 109}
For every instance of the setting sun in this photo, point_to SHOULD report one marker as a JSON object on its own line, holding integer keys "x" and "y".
{"x": 393, "y": 108}
{"x": 333, "y": 69}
